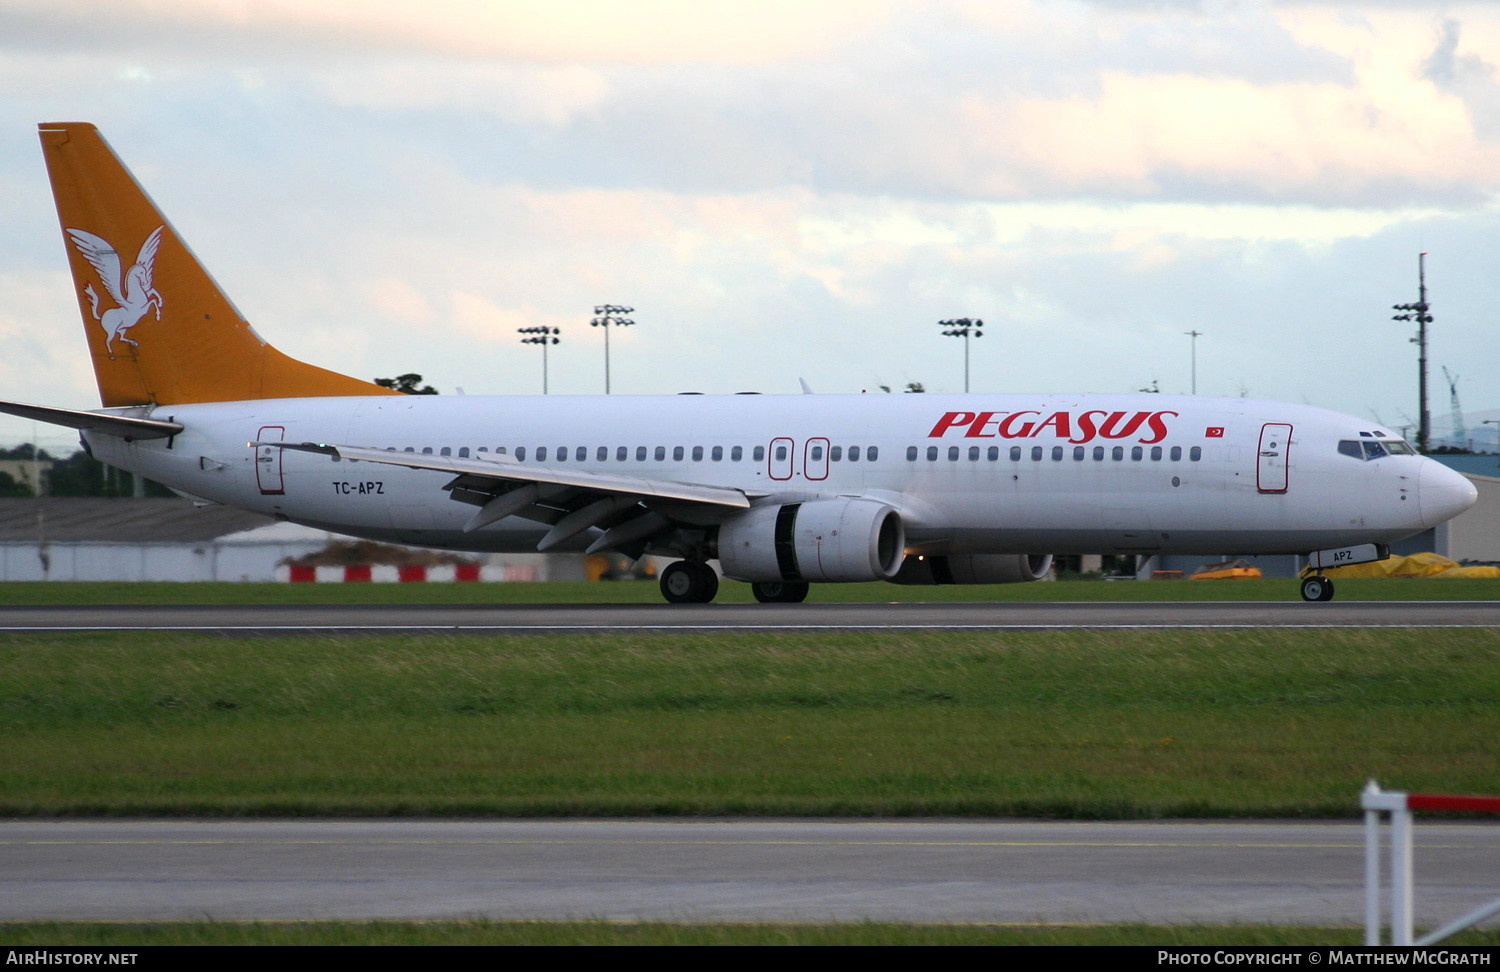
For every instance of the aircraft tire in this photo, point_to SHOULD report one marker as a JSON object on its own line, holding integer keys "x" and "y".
{"x": 779, "y": 592}
{"x": 688, "y": 583}
{"x": 1317, "y": 589}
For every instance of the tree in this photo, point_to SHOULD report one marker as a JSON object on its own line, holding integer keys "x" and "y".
{"x": 407, "y": 385}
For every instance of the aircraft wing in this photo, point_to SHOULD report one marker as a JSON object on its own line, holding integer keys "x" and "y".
{"x": 628, "y": 508}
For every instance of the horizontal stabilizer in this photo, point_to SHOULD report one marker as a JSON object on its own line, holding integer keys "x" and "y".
{"x": 125, "y": 426}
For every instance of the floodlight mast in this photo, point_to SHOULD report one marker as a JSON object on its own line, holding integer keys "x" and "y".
{"x": 963, "y": 327}
{"x": 1418, "y": 312}
{"x": 606, "y": 316}
{"x": 543, "y": 336}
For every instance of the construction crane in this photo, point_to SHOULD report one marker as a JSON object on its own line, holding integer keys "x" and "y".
{"x": 1460, "y": 437}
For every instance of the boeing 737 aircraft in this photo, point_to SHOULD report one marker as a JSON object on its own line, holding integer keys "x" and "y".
{"x": 782, "y": 491}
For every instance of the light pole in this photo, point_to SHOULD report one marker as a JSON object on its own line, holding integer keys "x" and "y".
{"x": 1496, "y": 423}
{"x": 543, "y": 336}
{"x": 1418, "y": 312}
{"x": 963, "y": 327}
{"x": 1195, "y": 335}
{"x": 606, "y": 315}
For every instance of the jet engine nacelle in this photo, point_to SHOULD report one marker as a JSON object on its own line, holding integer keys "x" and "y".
{"x": 975, "y": 569}
{"x": 821, "y": 540}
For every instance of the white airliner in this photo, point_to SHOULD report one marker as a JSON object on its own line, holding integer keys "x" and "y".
{"x": 782, "y": 491}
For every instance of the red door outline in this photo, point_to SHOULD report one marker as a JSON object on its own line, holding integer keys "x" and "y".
{"x": 812, "y": 467}
{"x": 1273, "y": 458}
{"x": 781, "y": 467}
{"x": 268, "y": 461}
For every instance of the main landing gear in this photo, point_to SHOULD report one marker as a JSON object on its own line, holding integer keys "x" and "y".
{"x": 1317, "y": 588}
{"x": 779, "y": 592}
{"x": 689, "y": 582}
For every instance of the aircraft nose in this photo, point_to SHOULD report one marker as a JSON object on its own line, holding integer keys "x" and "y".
{"x": 1442, "y": 493}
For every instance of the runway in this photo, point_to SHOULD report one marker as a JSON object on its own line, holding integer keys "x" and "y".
{"x": 1171, "y": 873}
{"x": 534, "y": 618}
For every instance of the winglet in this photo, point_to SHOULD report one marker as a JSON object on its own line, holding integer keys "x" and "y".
{"x": 159, "y": 329}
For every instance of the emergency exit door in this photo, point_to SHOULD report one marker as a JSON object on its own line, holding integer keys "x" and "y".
{"x": 1272, "y": 458}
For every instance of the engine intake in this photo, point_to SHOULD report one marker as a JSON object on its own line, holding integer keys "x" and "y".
{"x": 821, "y": 540}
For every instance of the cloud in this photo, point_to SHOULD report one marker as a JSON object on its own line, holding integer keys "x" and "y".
{"x": 546, "y": 31}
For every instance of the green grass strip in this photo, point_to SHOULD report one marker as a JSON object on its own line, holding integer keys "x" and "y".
{"x": 1060, "y": 724}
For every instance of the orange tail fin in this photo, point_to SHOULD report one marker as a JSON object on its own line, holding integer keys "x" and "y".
{"x": 160, "y": 330}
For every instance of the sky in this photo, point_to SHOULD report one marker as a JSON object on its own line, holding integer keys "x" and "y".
{"x": 791, "y": 190}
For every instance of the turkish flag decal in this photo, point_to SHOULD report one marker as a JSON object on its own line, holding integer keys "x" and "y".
{"x": 1214, "y": 432}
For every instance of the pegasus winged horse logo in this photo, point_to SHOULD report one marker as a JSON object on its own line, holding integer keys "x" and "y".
{"x": 132, "y": 291}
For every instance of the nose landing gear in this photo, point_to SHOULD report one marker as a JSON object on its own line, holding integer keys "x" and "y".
{"x": 1317, "y": 588}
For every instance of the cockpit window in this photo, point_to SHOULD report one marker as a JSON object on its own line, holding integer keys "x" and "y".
{"x": 1369, "y": 449}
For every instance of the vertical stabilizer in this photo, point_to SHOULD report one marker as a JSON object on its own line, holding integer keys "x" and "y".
{"x": 159, "y": 329}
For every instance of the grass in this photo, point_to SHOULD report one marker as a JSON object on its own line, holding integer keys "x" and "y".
{"x": 731, "y": 592}
{"x": 620, "y": 933}
{"x": 1063, "y": 724}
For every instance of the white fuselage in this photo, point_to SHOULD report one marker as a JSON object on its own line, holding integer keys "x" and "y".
{"x": 968, "y": 474}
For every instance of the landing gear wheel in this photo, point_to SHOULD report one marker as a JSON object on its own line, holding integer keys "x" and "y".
{"x": 688, "y": 583}
{"x": 1317, "y": 589}
{"x": 779, "y": 592}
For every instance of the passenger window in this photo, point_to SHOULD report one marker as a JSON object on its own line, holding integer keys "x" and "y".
{"x": 835, "y": 453}
{"x": 640, "y": 453}
{"x": 1155, "y": 453}
{"x": 1036, "y": 453}
{"x": 1177, "y": 453}
{"x": 817, "y": 453}
{"x": 622, "y": 453}
{"x": 697, "y": 453}
{"x": 932, "y": 453}
{"x": 1195, "y": 453}
{"x": 562, "y": 454}
{"x": 854, "y": 453}
{"x": 408, "y": 449}
{"x": 427, "y": 450}
{"x": 1117, "y": 453}
{"x": 781, "y": 453}
{"x": 660, "y": 453}
{"x": 973, "y": 453}
{"x": 993, "y": 453}
{"x": 1078, "y": 453}
{"x": 911, "y": 453}
{"x": 1137, "y": 453}
{"x": 521, "y": 453}
{"x": 759, "y": 454}
{"x": 1098, "y": 453}
{"x": 677, "y": 453}
{"x": 446, "y": 450}
{"x": 1015, "y": 453}
{"x": 736, "y": 453}
{"x": 953, "y": 453}
{"x": 463, "y": 452}
{"x": 1057, "y": 453}
{"x": 717, "y": 455}
{"x": 601, "y": 454}
{"x": 872, "y": 453}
